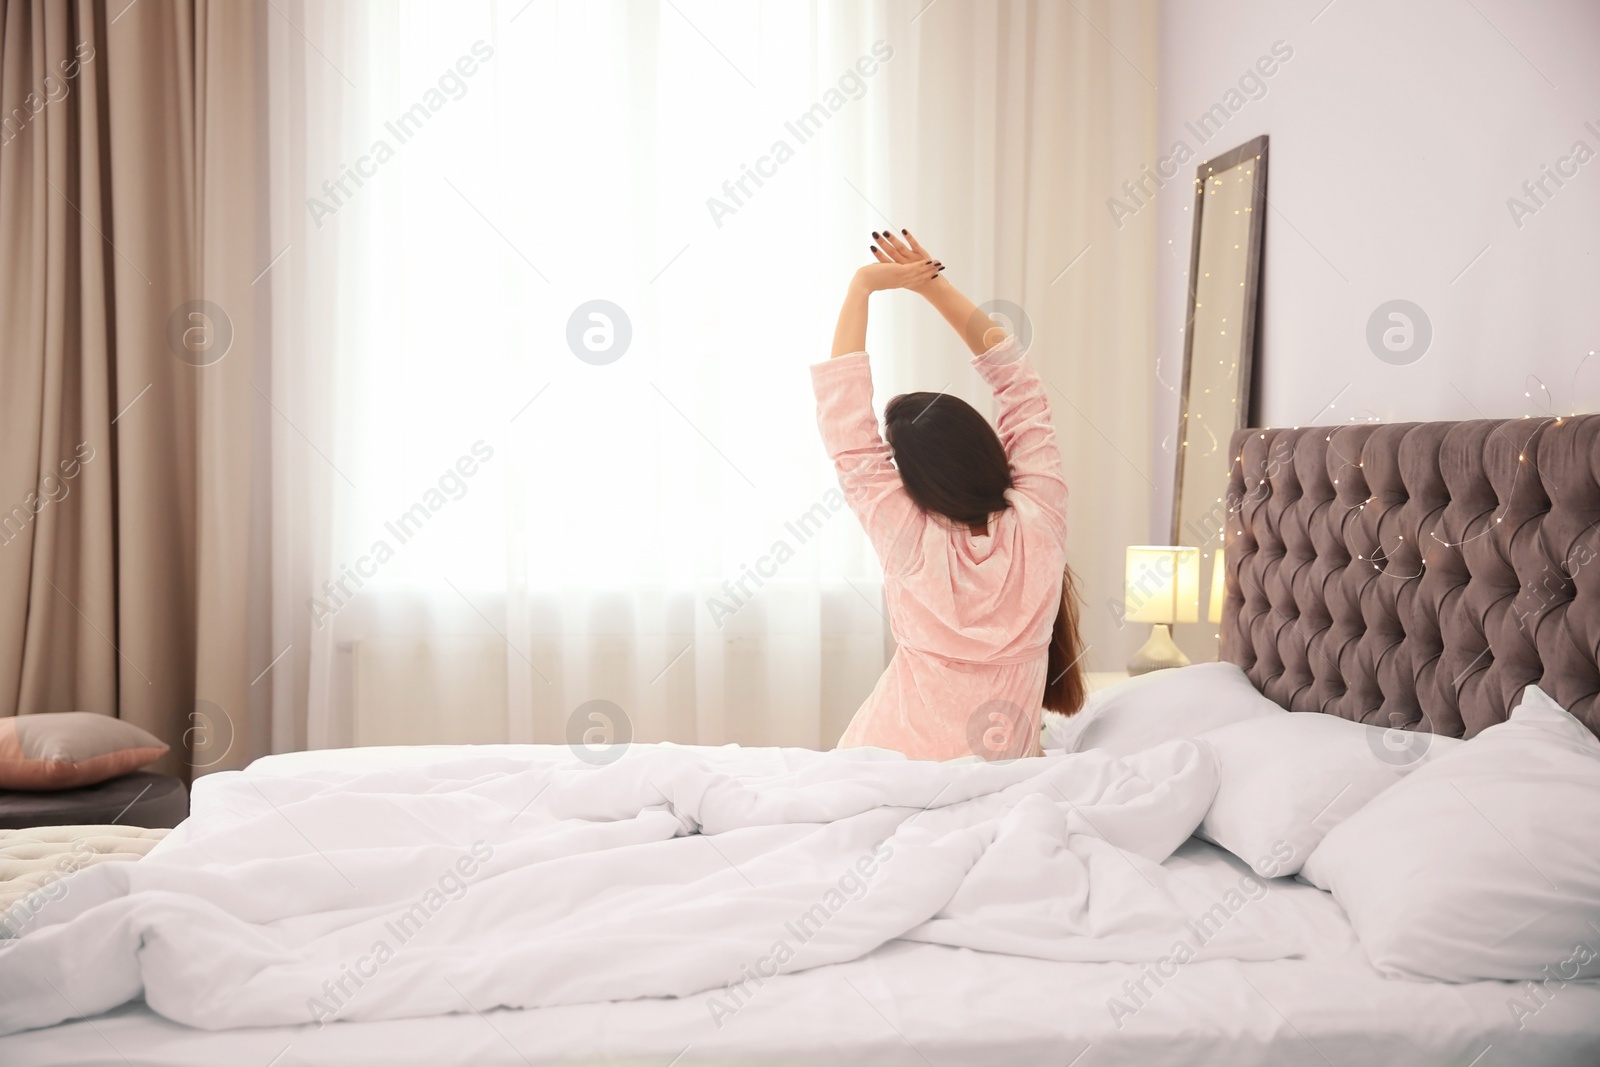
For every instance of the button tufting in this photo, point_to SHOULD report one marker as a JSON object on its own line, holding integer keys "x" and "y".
{"x": 1503, "y": 606}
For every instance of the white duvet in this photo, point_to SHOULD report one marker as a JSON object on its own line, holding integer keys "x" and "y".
{"x": 671, "y": 872}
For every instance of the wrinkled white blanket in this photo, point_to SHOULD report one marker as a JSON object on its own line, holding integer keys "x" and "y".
{"x": 485, "y": 882}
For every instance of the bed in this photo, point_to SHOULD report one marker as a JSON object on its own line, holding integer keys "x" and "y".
{"x": 1426, "y": 641}
{"x": 921, "y": 1004}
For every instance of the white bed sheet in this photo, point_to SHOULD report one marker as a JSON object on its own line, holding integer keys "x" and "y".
{"x": 919, "y": 1004}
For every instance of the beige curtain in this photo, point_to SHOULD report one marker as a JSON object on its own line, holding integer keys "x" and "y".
{"x": 132, "y": 233}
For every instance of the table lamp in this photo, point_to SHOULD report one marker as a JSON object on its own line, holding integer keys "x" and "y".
{"x": 1162, "y": 587}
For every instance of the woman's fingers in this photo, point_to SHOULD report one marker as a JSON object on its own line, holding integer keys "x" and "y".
{"x": 898, "y": 249}
{"x": 929, "y": 272}
{"x": 878, "y": 254}
{"x": 916, "y": 248}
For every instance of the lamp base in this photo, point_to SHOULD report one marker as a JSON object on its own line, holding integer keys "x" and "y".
{"x": 1158, "y": 653}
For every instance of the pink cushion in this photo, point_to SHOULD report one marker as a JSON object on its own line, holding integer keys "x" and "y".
{"x": 64, "y": 750}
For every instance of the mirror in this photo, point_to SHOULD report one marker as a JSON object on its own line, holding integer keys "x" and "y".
{"x": 1230, "y": 193}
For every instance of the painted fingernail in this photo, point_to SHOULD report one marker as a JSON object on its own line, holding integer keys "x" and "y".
{"x": 874, "y": 233}
{"x": 872, "y": 248}
{"x": 906, "y": 232}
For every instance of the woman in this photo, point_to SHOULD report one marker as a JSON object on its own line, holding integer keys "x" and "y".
{"x": 970, "y": 526}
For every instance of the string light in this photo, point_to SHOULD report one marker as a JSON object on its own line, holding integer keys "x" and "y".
{"x": 1511, "y": 495}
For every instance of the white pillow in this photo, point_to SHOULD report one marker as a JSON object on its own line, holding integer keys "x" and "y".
{"x": 1150, "y": 709}
{"x": 1058, "y": 731}
{"x": 1485, "y": 863}
{"x": 1284, "y": 781}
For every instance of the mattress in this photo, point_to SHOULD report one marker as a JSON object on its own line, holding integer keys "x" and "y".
{"x": 34, "y": 859}
{"x": 920, "y": 1004}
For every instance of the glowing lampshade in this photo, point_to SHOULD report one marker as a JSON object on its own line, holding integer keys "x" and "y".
{"x": 1219, "y": 587}
{"x": 1162, "y": 587}
{"x": 1162, "y": 584}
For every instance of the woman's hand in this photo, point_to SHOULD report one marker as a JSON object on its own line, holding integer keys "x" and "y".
{"x": 978, "y": 330}
{"x": 903, "y": 250}
{"x": 887, "y": 274}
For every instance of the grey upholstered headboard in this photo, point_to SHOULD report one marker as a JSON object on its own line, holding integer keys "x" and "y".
{"x": 1417, "y": 575}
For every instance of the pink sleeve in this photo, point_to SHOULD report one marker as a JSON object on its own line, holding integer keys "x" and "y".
{"x": 1025, "y": 428}
{"x": 870, "y": 482}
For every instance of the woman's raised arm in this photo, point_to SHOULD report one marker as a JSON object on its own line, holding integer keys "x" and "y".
{"x": 849, "y": 426}
{"x": 850, "y": 333}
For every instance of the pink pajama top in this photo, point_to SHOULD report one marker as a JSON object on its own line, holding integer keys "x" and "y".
{"x": 972, "y": 616}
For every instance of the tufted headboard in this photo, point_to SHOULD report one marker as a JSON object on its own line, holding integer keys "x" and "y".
{"x": 1417, "y": 575}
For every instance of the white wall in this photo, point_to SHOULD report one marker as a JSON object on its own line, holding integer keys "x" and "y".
{"x": 1399, "y": 130}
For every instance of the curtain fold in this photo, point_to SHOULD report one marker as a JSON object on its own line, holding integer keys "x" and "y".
{"x": 56, "y": 293}
{"x": 130, "y": 208}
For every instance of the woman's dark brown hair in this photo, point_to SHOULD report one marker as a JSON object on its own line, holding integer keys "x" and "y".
{"x": 952, "y": 464}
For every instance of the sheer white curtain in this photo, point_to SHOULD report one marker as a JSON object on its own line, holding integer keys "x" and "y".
{"x": 552, "y": 276}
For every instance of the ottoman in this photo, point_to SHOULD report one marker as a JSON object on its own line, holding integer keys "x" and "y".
{"x": 142, "y": 798}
